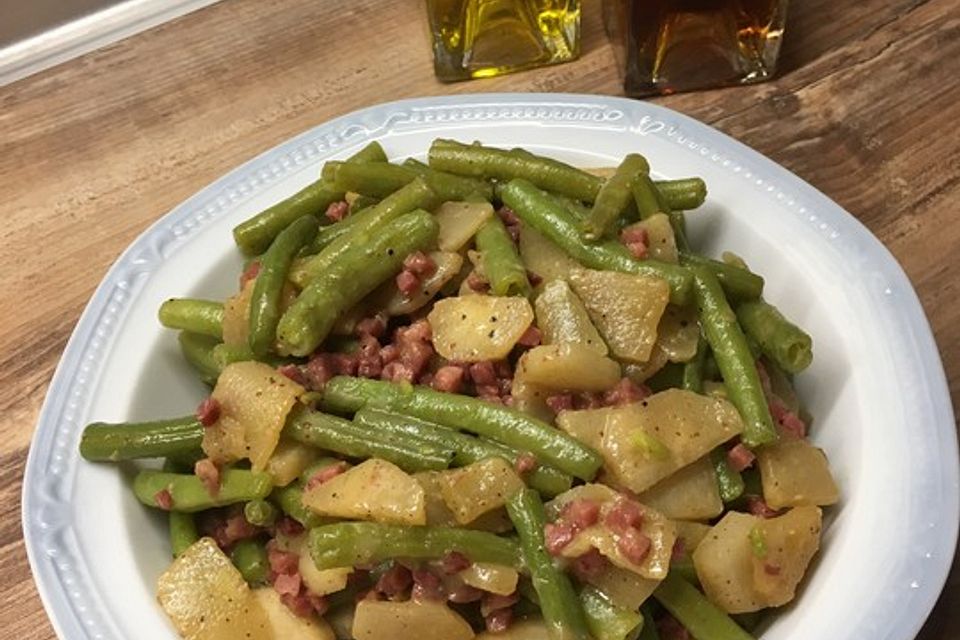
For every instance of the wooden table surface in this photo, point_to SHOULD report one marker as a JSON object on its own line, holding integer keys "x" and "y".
{"x": 866, "y": 108}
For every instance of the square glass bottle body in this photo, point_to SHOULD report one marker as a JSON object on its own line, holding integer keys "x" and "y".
{"x": 483, "y": 38}
{"x": 664, "y": 46}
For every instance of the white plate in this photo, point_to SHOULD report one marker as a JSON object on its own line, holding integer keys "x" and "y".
{"x": 876, "y": 388}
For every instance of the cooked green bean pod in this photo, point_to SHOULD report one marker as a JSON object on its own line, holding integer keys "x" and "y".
{"x": 729, "y": 481}
{"x": 271, "y": 279}
{"x": 786, "y": 344}
{"x": 606, "y": 620}
{"x": 511, "y": 427}
{"x": 342, "y": 436}
{"x": 250, "y": 558}
{"x": 290, "y": 501}
{"x": 260, "y": 513}
{"x": 614, "y": 196}
{"x": 380, "y": 179}
{"x": 198, "y": 351}
{"x": 188, "y": 493}
{"x": 698, "y": 615}
{"x": 562, "y": 611}
{"x": 736, "y": 363}
{"x": 683, "y": 194}
{"x": 646, "y": 196}
{"x": 739, "y": 284}
{"x": 349, "y": 544}
{"x": 369, "y": 259}
{"x": 253, "y": 236}
{"x": 102, "y": 441}
{"x": 501, "y": 263}
{"x": 204, "y": 317}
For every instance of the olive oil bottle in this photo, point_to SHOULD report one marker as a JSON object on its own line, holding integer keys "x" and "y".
{"x": 484, "y": 38}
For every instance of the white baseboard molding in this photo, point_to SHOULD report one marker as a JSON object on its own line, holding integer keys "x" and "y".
{"x": 88, "y": 33}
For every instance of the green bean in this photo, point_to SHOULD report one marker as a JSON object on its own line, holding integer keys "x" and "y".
{"x": 649, "y": 630}
{"x": 693, "y": 368}
{"x": 369, "y": 221}
{"x": 683, "y": 194}
{"x": 198, "y": 351}
{"x": 678, "y": 222}
{"x": 739, "y": 284}
{"x": 183, "y": 532}
{"x": 484, "y": 193}
{"x": 250, "y": 558}
{"x": 369, "y": 259}
{"x": 271, "y": 279}
{"x": 260, "y": 513}
{"x": 503, "y": 424}
{"x": 189, "y": 494}
{"x": 613, "y": 199}
{"x": 702, "y": 619}
{"x": 729, "y": 481}
{"x": 290, "y": 501}
{"x": 469, "y": 449}
{"x": 204, "y": 317}
{"x": 361, "y": 202}
{"x": 606, "y": 620}
{"x": 104, "y": 442}
{"x": 501, "y": 263}
{"x": 646, "y": 196}
{"x": 487, "y": 162}
{"x": 786, "y": 344}
{"x": 342, "y": 436}
{"x": 253, "y": 236}
{"x": 380, "y": 179}
{"x": 563, "y": 614}
{"x": 550, "y": 218}
{"x": 734, "y": 359}
{"x": 181, "y": 527}
{"x": 350, "y": 544}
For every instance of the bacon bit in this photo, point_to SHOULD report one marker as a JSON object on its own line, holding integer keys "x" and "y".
{"x": 581, "y": 513}
{"x": 395, "y": 581}
{"x": 492, "y": 398}
{"x": 503, "y": 368}
{"x": 287, "y": 584}
{"x": 764, "y": 378}
{"x": 325, "y": 475}
{"x": 533, "y": 278}
{"x": 374, "y": 326}
{"x": 416, "y": 354}
{"x": 636, "y": 240}
{"x": 788, "y": 420}
{"x": 489, "y": 389}
{"x": 626, "y": 392}
{"x": 319, "y": 603}
{"x": 427, "y": 586}
{"x": 282, "y": 562}
{"x": 163, "y": 499}
{"x": 208, "y": 412}
{"x": 624, "y": 515}
{"x": 477, "y": 282}
{"x": 419, "y": 330}
{"x": 235, "y": 527}
{"x": 589, "y": 565}
{"x": 448, "y": 378}
{"x": 587, "y": 400}
{"x": 464, "y": 593}
{"x": 679, "y": 549}
{"x": 420, "y": 264}
{"x": 293, "y": 372}
{"x": 209, "y": 474}
{"x": 288, "y": 526}
{"x": 495, "y": 602}
{"x": 508, "y": 216}
{"x": 397, "y": 371}
{"x": 251, "y": 272}
{"x": 344, "y": 364}
{"x": 483, "y": 373}
{"x": 557, "y": 535}
{"x": 318, "y": 371}
{"x": 454, "y": 562}
{"x": 525, "y": 463}
{"x": 299, "y": 604}
{"x": 531, "y": 337}
{"x": 499, "y": 620}
{"x": 337, "y": 211}
{"x": 771, "y": 569}
{"x": 759, "y": 507}
{"x": 634, "y": 545}
{"x": 740, "y": 457}
{"x": 560, "y": 402}
{"x": 514, "y": 231}
{"x": 389, "y": 353}
{"x": 369, "y": 364}
{"x": 407, "y": 282}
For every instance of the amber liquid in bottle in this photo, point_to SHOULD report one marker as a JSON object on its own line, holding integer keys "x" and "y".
{"x": 678, "y": 45}
{"x": 482, "y": 38}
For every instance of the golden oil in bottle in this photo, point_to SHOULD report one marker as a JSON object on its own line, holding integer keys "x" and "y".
{"x": 665, "y": 46}
{"x": 483, "y": 38}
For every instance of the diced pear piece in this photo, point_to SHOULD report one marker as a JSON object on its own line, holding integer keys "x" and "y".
{"x": 691, "y": 493}
{"x": 373, "y": 490}
{"x": 284, "y": 623}
{"x": 459, "y": 222}
{"x": 570, "y": 367}
{"x": 495, "y": 578}
{"x": 563, "y": 319}
{"x": 795, "y": 473}
{"x": 479, "y": 488}
{"x": 544, "y": 258}
{"x": 428, "y": 620}
{"x": 478, "y": 327}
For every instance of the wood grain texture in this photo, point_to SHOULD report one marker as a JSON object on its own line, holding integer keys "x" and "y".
{"x": 93, "y": 151}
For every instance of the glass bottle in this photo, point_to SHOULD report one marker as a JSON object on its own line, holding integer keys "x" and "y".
{"x": 664, "y": 46}
{"x": 483, "y": 38}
